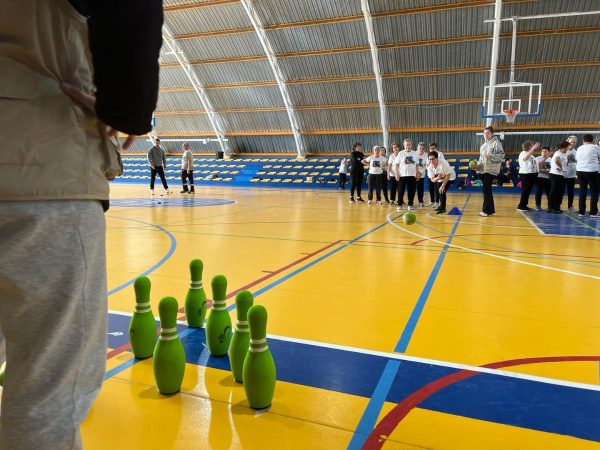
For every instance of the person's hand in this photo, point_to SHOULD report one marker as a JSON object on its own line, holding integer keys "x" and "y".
{"x": 536, "y": 145}
{"x": 88, "y": 101}
{"x": 152, "y": 167}
{"x": 442, "y": 189}
{"x": 189, "y": 172}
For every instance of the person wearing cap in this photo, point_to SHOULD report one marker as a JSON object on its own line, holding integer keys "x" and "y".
{"x": 187, "y": 169}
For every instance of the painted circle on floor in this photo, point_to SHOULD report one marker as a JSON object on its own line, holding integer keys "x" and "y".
{"x": 168, "y": 202}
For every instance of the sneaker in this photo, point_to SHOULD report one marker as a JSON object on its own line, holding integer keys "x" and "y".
{"x": 421, "y": 205}
{"x": 360, "y": 200}
{"x": 151, "y": 192}
{"x": 192, "y": 192}
{"x": 571, "y": 209}
{"x": 440, "y": 211}
{"x": 378, "y": 202}
{"x": 185, "y": 191}
{"x": 482, "y": 214}
{"x": 169, "y": 191}
{"x": 527, "y": 208}
{"x": 550, "y": 211}
{"x": 595, "y": 216}
{"x": 538, "y": 208}
{"x": 435, "y": 205}
{"x": 368, "y": 202}
{"x": 580, "y": 215}
{"x": 410, "y": 207}
{"x": 399, "y": 208}
{"x": 351, "y": 199}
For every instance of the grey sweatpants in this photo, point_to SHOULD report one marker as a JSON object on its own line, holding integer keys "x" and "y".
{"x": 53, "y": 316}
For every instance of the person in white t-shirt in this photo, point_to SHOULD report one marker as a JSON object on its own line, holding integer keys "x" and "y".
{"x": 187, "y": 169}
{"x": 528, "y": 172}
{"x": 343, "y": 172}
{"x": 434, "y": 195}
{"x": 570, "y": 171}
{"x": 406, "y": 173}
{"x": 443, "y": 175}
{"x": 375, "y": 164}
{"x": 542, "y": 182}
{"x": 391, "y": 172}
{"x": 558, "y": 164}
{"x": 421, "y": 159}
{"x": 588, "y": 165}
{"x": 384, "y": 176}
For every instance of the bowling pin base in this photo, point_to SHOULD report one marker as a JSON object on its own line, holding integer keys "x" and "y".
{"x": 264, "y": 408}
{"x": 141, "y": 358}
{"x": 171, "y": 393}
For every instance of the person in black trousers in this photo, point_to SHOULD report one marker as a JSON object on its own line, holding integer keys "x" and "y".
{"x": 528, "y": 172}
{"x": 490, "y": 160}
{"x": 157, "y": 162}
{"x": 542, "y": 182}
{"x": 557, "y": 180}
{"x": 588, "y": 164}
{"x": 357, "y": 172}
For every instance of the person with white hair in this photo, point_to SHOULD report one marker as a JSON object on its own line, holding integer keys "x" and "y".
{"x": 375, "y": 163}
{"x": 187, "y": 169}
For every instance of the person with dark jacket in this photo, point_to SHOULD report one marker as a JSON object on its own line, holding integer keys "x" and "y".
{"x": 158, "y": 163}
{"x": 72, "y": 75}
{"x": 357, "y": 172}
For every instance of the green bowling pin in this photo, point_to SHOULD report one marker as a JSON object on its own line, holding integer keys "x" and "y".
{"x": 218, "y": 326}
{"x": 169, "y": 356}
{"x": 142, "y": 326}
{"x": 195, "y": 301}
{"x": 241, "y": 338}
{"x": 259, "y": 367}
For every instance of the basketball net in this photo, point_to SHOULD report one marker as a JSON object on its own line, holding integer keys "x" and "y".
{"x": 510, "y": 114}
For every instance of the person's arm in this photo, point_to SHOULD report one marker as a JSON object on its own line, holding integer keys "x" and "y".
{"x": 533, "y": 148}
{"x": 150, "y": 159}
{"x": 496, "y": 153}
{"x": 125, "y": 40}
{"x": 164, "y": 159}
{"x": 558, "y": 163}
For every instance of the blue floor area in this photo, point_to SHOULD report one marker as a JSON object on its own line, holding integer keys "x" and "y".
{"x": 565, "y": 224}
{"x": 505, "y": 400}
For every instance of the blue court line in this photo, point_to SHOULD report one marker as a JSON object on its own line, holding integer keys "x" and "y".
{"x": 231, "y": 307}
{"x": 155, "y": 266}
{"x": 553, "y": 408}
{"x": 130, "y": 362}
{"x": 371, "y": 413}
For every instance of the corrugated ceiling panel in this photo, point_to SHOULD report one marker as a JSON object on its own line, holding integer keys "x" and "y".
{"x": 184, "y": 123}
{"x": 216, "y": 47}
{"x": 431, "y": 88}
{"x": 234, "y": 72}
{"x": 340, "y": 119}
{"x": 198, "y": 20}
{"x": 434, "y": 116}
{"x": 333, "y": 65}
{"x": 334, "y": 35}
{"x": 287, "y": 11}
{"x": 185, "y": 2}
{"x": 340, "y": 143}
{"x": 173, "y": 77}
{"x": 262, "y": 144}
{"x": 178, "y": 101}
{"x": 399, "y": 5}
{"x": 567, "y": 111}
{"x": 333, "y": 93}
{"x": 562, "y": 80}
{"x": 549, "y": 7}
{"x": 435, "y": 57}
{"x": 573, "y": 47}
{"x": 256, "y": 121}
{"x": 432, "y": 25}
{"x": 256, "y": 97}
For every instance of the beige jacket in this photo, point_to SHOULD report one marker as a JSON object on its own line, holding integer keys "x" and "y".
{"x": 491, "y": 155}
{"x": 51, "y": 147}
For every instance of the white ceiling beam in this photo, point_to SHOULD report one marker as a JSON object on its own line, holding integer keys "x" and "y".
{"x": 213, "y": 116}
{"x": 385, "y": 127}
{"x": 266, "y": 44}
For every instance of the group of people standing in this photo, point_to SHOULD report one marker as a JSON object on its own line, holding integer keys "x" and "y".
{"x": 554, "y": 175}
{"x": 402, "y": 171}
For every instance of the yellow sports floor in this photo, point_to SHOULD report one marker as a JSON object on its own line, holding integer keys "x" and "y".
{"x": 377, "y": 328}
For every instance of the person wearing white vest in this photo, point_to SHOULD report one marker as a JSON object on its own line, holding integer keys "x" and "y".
{"x": 187, "y": 169}
{"x": 73, "y": 73}
{"x": 588, "y": 165}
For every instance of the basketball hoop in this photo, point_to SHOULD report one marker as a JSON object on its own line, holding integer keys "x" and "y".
{"x": 510, "y": 114}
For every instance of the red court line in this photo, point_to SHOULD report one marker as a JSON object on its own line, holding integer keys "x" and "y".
{"x": 389, "y": 423}
{"x": 127, "y": 346}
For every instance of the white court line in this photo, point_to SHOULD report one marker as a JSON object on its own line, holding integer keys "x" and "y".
{"x": 531, "y": 222}
{"x": 570, "y": 272}
{"x": 416, "y": 359}
{"x": 434, "y": 216}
